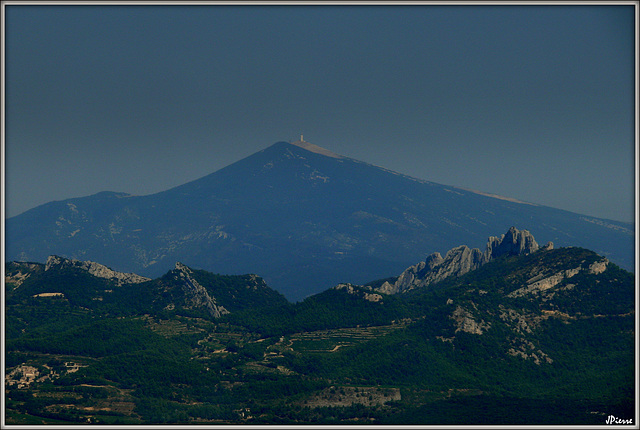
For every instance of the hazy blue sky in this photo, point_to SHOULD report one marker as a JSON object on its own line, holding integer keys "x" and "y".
{"x": 531, "y": 102}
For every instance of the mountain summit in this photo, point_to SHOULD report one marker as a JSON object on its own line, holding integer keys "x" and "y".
{"x": 299, "y": 215}
{"x": 315, "y": 148}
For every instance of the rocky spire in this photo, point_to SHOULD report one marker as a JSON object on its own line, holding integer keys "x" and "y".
{"x": 461, "y": 260}
{"x": 514, "y": 242}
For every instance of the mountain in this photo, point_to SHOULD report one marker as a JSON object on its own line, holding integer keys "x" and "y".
{"x": 534, "y": 335}
{"x": 461, "y": 260}
{"x": 100, "y": 289}
{"x": 95, "y": 269}
{"x": 301, "y": 216}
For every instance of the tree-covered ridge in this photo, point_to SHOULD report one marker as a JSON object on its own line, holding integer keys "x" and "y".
{"x": 545, "y": 338}
{"x": 240, "y": 292}
{"x": 104, "y": 295}
{"x": 334, "y": 308}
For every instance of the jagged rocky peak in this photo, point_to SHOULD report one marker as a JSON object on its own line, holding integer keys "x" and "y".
{"x": 17, "y": 272}
{"x": 95, "y": 269}
{"x": 195, "y": 295}
{"x": 461, "y": 260}
{"x": 433, "y": 260}
{"x": 514, "y": 242}
{"x": 183, "y": 269}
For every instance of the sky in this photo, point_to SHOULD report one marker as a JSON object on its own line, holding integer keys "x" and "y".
{"x": 526, "y": 101}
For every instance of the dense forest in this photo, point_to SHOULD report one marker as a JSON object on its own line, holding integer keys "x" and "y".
{"x": 468, "y": 350}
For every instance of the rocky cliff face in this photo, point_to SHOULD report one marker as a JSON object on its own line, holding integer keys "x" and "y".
{"x": 568, "y": 284}
{"x": 96, "y": 269}
{"x": 461, "y": 260}
{"x": 16, "y": 273}
{"x": 195, "y": 295}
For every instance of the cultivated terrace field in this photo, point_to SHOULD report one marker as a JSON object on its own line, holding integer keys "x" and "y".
{"x": 469, "y": 350}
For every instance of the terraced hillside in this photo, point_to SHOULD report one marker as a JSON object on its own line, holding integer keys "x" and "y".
{"x": 543, "y": 338}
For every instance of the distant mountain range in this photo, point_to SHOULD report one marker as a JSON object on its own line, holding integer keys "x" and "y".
{"x": 302, "y": 217}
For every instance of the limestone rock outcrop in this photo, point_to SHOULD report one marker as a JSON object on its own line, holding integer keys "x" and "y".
{"x": 357, "y": 291}
{"x": 195, "y": 295}
{"x": 465, "y": 321}
{"x": 514, "y": 242}
{"x": 461, "y": 260}
{"x": 95, "y": 269}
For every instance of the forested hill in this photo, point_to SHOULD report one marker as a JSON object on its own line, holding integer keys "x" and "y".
{"x": 542, "y": 338}
{"x": 105, "y": 291}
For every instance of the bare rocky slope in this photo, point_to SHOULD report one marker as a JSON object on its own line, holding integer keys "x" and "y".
{"x": 96, "y": 269}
